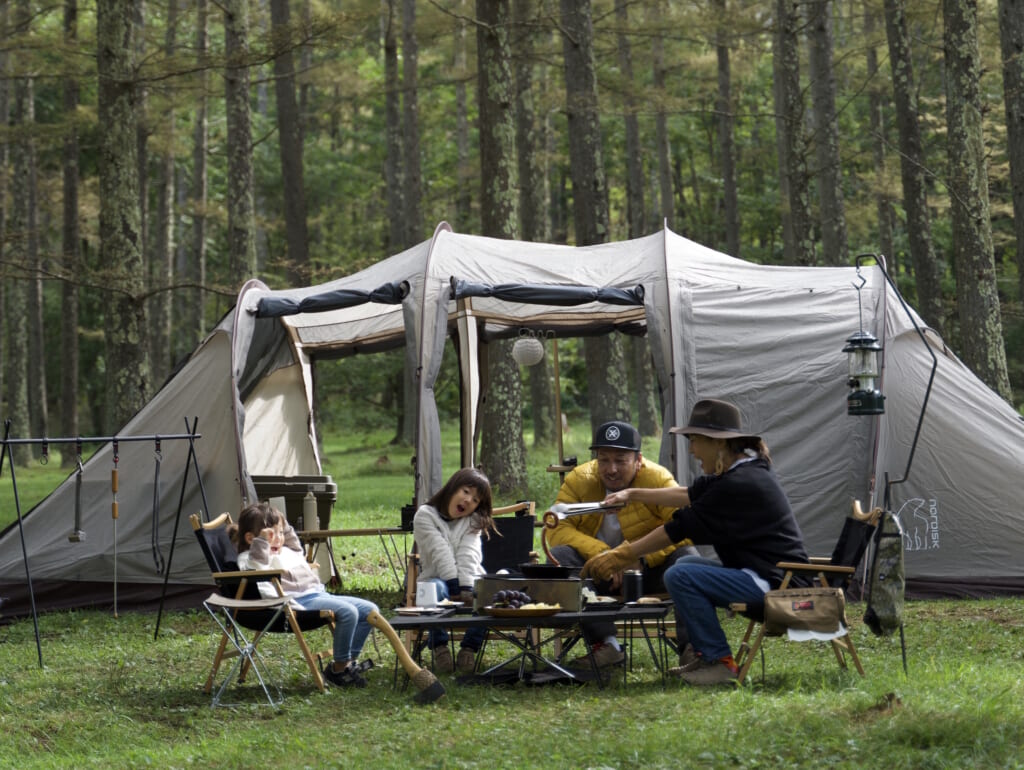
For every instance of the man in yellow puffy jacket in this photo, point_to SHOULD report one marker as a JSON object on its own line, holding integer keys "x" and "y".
{"x": 618, "y": 464}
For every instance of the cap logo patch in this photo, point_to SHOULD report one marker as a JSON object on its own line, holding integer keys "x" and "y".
{"x": 612, "y": 434}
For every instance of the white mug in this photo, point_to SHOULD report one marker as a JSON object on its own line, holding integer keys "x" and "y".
{"x": 426, "y": 593}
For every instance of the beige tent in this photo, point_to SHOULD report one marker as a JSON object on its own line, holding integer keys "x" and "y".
{"x": 768, "y": 338}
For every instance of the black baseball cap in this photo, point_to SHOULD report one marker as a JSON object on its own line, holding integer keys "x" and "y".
{"x": 616, "y": 435}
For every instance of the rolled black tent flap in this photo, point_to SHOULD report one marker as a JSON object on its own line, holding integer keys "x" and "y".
{"x": 548, "y": 294}
{"x": 277, "y": 306}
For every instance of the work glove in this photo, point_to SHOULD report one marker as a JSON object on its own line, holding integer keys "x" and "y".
{"x": 608, "y": 563}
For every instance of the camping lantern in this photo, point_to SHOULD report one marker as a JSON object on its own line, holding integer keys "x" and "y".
{"x": 527, "y": 350}
{"x": 862, "y": 352}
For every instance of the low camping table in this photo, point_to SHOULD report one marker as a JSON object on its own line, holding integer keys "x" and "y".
{"x": 529, "y": 652}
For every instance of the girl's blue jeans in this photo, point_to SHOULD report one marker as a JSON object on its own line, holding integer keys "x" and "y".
{"x": 350, "y": 626}
{"x": 473, "y": 639}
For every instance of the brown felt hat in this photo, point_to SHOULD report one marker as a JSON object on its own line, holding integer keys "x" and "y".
{"x": 715, "y": 419}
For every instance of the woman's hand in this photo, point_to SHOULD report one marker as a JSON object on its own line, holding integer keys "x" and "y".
{"x": 618, "y": 499}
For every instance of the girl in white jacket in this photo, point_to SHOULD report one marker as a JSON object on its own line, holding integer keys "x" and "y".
{"x": 447, "y": 530}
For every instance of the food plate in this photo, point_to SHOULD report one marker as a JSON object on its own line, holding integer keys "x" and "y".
{"x": 603, "y": 600}
{"x": 509, "y": 612}
{"x": 649, "y": 601}
{"x": 420, "y": 610}
{"x": 449, "y": 603}
{"x": 614, "y": 604}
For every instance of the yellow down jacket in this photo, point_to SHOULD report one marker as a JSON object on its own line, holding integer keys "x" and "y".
{"x": 583, "y": 485}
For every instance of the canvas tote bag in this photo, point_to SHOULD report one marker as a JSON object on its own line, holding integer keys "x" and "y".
{"x": 807, "y": 609}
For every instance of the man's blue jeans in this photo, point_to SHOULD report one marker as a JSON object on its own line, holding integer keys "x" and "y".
{"x": 699, "y": 586}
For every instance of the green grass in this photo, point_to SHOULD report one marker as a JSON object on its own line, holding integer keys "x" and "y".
{"x": 110, "y": 695}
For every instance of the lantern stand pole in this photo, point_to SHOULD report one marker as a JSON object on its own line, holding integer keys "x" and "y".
{"x": 880, "y": 264}
{"x": 889, "y": 483}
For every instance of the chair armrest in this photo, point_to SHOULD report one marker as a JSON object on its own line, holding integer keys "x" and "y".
{"x": 803, "y": 567}
{"x": 259, "y": 575}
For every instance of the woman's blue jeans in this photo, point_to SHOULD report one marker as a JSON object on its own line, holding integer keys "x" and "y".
{"x": 698, "y": 587}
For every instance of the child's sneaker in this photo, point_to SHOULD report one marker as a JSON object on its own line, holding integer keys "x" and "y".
{"x": 350, "y": 676}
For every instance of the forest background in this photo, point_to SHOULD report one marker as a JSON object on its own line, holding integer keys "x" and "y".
{"x": 156, "y": 154}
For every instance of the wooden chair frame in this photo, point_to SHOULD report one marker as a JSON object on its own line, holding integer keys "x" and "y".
{"x": 248, "y": 609}
{"x": 824, "y": 572}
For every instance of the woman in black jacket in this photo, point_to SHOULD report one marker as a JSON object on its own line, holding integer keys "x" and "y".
{"x": 739, "y": 508}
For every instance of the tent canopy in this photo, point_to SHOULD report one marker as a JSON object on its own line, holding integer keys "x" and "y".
{"x": 768, "y": 338}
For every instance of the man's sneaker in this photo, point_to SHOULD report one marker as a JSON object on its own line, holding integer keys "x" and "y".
{"x": 709, "y": 673}
{"x": 688, "y": 660}
{"x": 466, "y": 660}
{"x": 443, "y": 663}
{"x": 603, "y": 654}
{"x": 350, "y": 676}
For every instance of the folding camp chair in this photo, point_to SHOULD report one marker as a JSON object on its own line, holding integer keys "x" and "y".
{"x": 788, "y": 608}
{"x": 238, "y": 607}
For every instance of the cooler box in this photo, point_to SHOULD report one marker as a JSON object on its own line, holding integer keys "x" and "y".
{"x": 567, "y": 592}
{"x": 292, "y": 489}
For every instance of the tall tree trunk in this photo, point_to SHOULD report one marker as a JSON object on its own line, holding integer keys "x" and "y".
{"x": 791, "y": 111}
{"x": 781, "y": 143}
{"x": 393, "y": 176}
{"x": 663, "y": 152}
{"x": 463, "y": 166}
{"x": 725, "y": 125}
{"x": 646, "y": 387}
{"x": 927, "y": 270}
{"x": 142, "y": 128}
{"x": 411, "y": 126}
{"x": 532, "y": 200}
{"x": 835, "y": 250}
{"x": 1011, "y": 39}
{"x": 195, "y": 324}
{"x": 241, "y": 235}
{"x": 637, "y": 224}
{"x": 876, "y": 119}
{"x": 606, "y": 370}
{"x": 502, "y": 449}
{"x": 529, "y": 149}
{"x": 15, "y": 298}
{"x": 8, "y": 399}
{"x": 981, "y": 326}
{"x": 70, "y": 248}
{"x": 127, "y": 361}
{"x": 289, "y": 131}
{"x": 161, "y": 264}
{"x": 26, "y": 207}
{"x": 644, "y": 379}
{"x": 305, "y": 65}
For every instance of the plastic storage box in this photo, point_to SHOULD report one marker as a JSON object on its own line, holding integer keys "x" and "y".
{"x": 293, "y": 489}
